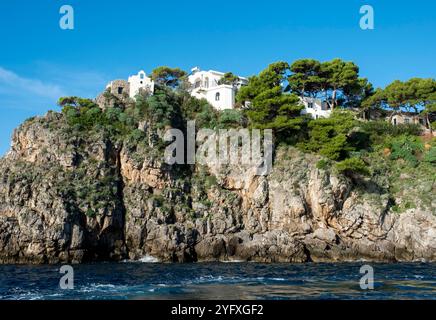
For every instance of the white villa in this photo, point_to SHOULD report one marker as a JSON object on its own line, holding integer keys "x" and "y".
{"x": 315, "y": 108}
{"x": 206, "y": 85}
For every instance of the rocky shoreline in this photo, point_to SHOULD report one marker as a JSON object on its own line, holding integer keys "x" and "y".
{"x": 75, "y": 199}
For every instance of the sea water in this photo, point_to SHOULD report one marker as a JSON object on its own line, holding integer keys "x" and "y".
{"x": 144, "y": 280}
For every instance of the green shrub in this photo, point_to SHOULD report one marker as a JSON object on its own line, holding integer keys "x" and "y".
{"x": 430, "y": 156}
{"x": 322, "y": 164}
{"x": 90, "y": 213}
{"x": 162, "y": 108}
{"x": 352, "y": 166}
{"x": 329, "y": 137}
{"x": 405, "y": 147}
{"x": 210, "y": 181}
{"x": 199, "y": 110}
{"x": 230, "y": 118}
{"x": 379, "y": 130}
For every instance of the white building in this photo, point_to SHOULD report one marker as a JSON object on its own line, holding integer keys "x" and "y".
{"x": 205, "y": 85}
{"x": 140, "y": 82}
{"x": 315, "y": 108}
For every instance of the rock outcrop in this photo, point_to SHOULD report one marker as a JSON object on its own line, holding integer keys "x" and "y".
{"x": 65, "y": 198}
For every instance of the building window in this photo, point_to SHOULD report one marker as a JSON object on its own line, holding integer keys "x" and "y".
{"x": 395, "y": 122}
{"x": 310, "y": 105}
{"x": 206, "y": 82}
{"x": 217, "y": 96}
{"x": 407, "y": 120}
{"x": 141, "y": 76}
{"x": 120, "y": 90}
{"x": 197, "y": 83}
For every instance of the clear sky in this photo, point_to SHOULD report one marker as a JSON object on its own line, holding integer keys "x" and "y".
{"x": 113, "y": 39}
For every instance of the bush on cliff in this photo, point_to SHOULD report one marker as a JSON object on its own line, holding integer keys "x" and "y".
{"x": 329, "y": 137}
{"x": 407, "y": 148}
{"x": 352, "y": 166}
{"x": 380, "y": 130}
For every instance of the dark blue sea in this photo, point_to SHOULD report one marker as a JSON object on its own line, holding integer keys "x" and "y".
{"x": 144, "y": 280}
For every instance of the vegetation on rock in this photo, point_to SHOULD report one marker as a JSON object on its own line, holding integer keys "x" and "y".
{"x": 91, "y": 184}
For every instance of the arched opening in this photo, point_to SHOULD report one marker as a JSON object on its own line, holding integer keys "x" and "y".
{"x": 197, "y": 83}
{"x": 217, "y": 96}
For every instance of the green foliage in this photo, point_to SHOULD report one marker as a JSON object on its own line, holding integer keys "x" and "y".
{"x": 270, "y": 107}
{"x": 337, "y": 81}
{"x": 210, "y": 181}
{"x": 272, "y": 77}
{"x": 201, "y": 111}
{"x": 83, "y": 118}
{"x": 231, "y": 118}
{"x": 352, "y": 166}
{"x": 411, "y": 95}
{"x": 306, "y": 79}
{"x": 136, "y": 137}
{"x": 162, "y": 109}
{"x": 329, "y": 137}
{"x": 168, "y": 76}
{"x": 274, "y": 104}
{"x": 76, "y": 102}
{"x": 322, "y": 164}
{"x": 430, "y": 156}
{"x": 229, "y": 78}
{"x": 203, "y": 181}
{"x": 355, "y": 93}
{"x": 407, "y": 148}
{"x": 339, "y": 75}
{"x": 158, "y": 200}
{"x": 382, "y": 128}
{"x": 90, "y": 213}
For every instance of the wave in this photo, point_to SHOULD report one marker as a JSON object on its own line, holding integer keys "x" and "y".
{"x": 149, "y": 259}
{"x": 145, "y": 259}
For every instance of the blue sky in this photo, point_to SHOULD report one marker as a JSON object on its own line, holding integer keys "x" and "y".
{"x": 112, "y": 39}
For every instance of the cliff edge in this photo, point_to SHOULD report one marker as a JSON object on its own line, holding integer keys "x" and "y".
{"x": 66, "y": 197}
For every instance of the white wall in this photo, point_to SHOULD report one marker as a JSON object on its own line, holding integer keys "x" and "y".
{"x": 207, "y": 79}
{"x": 205, "y": 86}
{"x": 317, "y": 110}
{"x": 226, "y": 97}
{"x": 140, "y": 81}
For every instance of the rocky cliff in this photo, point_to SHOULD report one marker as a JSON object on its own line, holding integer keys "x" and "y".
{"x": 72, "y": 198}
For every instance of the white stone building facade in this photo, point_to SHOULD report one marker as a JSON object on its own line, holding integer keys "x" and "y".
{"x": 206, "y": 85}
{"x": 203, "y": 85}
{"x": 315, "y": 108}
{"x": 133, "y": 86}
{"x": 139, "y": 82}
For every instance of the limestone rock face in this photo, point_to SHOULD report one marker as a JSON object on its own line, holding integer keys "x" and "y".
{"x": 66, "y": 198}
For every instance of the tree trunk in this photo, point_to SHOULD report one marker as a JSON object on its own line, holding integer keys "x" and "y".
{"x": 333, "y": 99}
{"x": 427, "y": 118}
